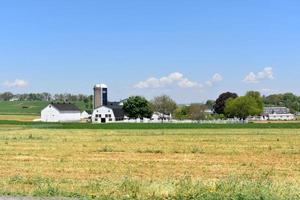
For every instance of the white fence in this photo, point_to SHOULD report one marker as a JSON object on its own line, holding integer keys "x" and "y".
{"x": 217, "y": 121}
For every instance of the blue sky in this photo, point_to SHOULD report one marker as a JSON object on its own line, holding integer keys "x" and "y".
{"x": 192, "y": 50}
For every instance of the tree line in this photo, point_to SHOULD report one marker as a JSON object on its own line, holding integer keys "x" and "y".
{"x": 44, "y": 96}
{"x": 139, "y": 107}
{"x": 288, "y": 100}
{"x": 227, "y": 105}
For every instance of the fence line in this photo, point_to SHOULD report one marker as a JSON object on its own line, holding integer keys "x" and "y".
{"x": 217, "y": 121}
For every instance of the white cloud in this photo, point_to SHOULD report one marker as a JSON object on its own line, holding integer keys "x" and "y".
{"x": 178, "y": 80}
{"x": 217, "y": 77}
{"x": 17, "y": 83}
{"x": 186, "y": 83}
{"x": 267, "y": 73}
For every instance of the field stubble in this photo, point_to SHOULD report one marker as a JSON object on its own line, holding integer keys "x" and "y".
{"x": 149, "y": 163}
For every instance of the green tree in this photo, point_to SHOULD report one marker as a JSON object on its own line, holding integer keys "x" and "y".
{"x": 288, "y": 100}
{"x": 210, "y": 104}
{"x": 242, "y": 107}
{"x": 258, "y": 98}
{"x": 164, "y": 105}
{"x": 181, "y": 112}
{"x": 137, "y": 107}
{"x": 6, "y": 96}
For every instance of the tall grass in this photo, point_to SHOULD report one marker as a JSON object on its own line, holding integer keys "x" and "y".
{"x": 244, "y": 187}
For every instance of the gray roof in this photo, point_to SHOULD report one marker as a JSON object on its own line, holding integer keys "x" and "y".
{"x": 119, "y": 113}
{"x": 113, "y": 104}
{"x": 276, "y": 110}
{"x": 117, "y": 109}
{"x": 65, "y": 107}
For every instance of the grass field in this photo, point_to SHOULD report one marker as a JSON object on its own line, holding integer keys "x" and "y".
{"x": 21, "y": 118}
{"x": 145, "y": 126}
{"x": 27, "y": 107}
{"x": 22, "y": 107}
{"x": 150, "y": 164}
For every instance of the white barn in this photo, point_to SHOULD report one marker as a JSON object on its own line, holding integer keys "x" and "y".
{"x": 109, "y": 113}
{"x": 60, "y": 112}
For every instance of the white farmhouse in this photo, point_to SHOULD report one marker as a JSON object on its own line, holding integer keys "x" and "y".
{"x": 108, "y": 113}
{"x": 60, "y": 112}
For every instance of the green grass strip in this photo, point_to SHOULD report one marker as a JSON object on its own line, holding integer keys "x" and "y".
{"x": 43, "y": 125}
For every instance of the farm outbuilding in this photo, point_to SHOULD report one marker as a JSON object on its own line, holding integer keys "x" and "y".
{"x": 85, "y": 115}
{"x": 60, "y": 112}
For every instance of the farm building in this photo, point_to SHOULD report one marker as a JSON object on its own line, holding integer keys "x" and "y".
{"x": 158, "y": 117}
{"x": 281, "y": 117}
{"x": 109, "y": 113}
{"x": 277, "y": 113}
{"x": 105, "y": 111}
{"x": 60, "y": 112}
{"x": 85, "y": 115}
{"x": 274, "y": 114}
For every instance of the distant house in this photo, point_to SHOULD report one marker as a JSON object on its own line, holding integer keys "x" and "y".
{"x": 109, "y": 113}
{"x": 277, "y": 113}
{"x": 158, "y": 117}
{"x": 14, "y": 99}
{"x": 60, "y": 112}
{"x": 209, "y": 111}
{"x": 274, "y": 114}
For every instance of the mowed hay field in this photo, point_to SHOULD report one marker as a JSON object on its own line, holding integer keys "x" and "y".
{"x": 151, "y": 164}
{"x": 22, "y": 118}
{"x": 28, "y": 107}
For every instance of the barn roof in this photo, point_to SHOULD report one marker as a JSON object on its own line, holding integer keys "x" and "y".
{"x": 117, "y": 109}
{"x": 65, "y": 107}
{"x": 118, "y": 112}
{"x": 112, "y": 104}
